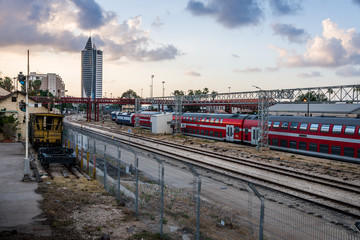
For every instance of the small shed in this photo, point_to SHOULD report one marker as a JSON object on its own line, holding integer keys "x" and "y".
{"x": 161, "y": 123}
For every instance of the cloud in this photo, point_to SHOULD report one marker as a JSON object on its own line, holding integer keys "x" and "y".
{"x": 289, "y": 31}
{"x": 229, "y": 13}
{"x": 47, "y": 25}
{"x": 356, "y": 2}
{"x": 157, "y": 22}
{"x": 193, "y": 74}
{"x": 336, "y": 47}
{"x": 90, "y": 14}
{"x": 348, "y": 71}
{"x": 310, "y": 75}
{"x": 284, "y": 7}
{"x": 249, "y": 70}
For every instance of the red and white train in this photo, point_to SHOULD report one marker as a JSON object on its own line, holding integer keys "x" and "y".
{"x": 329, "y": 137}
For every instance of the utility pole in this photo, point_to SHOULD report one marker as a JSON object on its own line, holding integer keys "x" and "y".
{"x": 26, "y": 160}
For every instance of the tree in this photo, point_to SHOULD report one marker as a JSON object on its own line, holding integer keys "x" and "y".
{"x": 311, "y": 96}
{"x": 130, "y": 94}
{"x": 178, "y": 93}
{"x": 7, "y": 84}
{"x": 8, "y": 125}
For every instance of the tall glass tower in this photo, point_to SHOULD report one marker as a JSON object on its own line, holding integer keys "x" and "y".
{"x": 91, "y": 71}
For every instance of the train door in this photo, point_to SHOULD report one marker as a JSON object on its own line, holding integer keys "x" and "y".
{"x": 254, "y": 135}
{"x": 230, "y": 133}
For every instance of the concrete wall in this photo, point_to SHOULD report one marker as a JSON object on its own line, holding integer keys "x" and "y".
{"x": 14, "y": 106}
{"x": 160, "y": 123}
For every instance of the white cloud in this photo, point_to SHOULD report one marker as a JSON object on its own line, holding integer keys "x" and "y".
{"x": 348, "y": 71}
{"x": 193, "y": 74}
{"x": 310, "y": 75}
{"x": 336, "y": 47}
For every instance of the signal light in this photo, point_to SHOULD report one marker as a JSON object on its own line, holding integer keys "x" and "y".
{"x": 21, "y": 78}
{"x": 22, "y": 106}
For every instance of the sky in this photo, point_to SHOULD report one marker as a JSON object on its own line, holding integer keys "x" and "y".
{"x": 224, "y": 45}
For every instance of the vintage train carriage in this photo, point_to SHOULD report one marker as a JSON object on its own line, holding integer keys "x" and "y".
{"x": 213, "y": 126}
{"x": 45, "y": 129}
{"x": 330, "y": 137}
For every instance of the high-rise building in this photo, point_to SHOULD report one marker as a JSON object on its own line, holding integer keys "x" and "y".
{"x": 91, "y": 71}
{"x": 50, "y": 82}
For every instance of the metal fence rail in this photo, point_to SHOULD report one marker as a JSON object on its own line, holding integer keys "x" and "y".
{"x": 201, "y": 206}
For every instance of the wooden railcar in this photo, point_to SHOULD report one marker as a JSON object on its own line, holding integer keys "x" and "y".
{"x": 45, "y": 129}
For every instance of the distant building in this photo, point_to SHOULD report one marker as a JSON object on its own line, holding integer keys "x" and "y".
{"x": 91, "y": 71}
{"x": 51, "y": 82}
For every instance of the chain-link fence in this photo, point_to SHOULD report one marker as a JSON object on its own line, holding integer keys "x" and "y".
{"x": 178, "y": 198}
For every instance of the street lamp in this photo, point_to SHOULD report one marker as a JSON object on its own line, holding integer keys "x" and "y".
{"x": 257, "y": 87}
{"x": 152, "y": 86}
{"x": 229, "y": 89}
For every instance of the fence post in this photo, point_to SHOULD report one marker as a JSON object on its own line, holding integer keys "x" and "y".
{"x": 94, "y": 167}
{"x": 262, "y": 211}
{"x": 118, "y": 173}
{"x": 105, "y": 171}
{"x": 88, "y": 155}
{"x": 162, "y": 195}
{"x": 195, "y": 173}
{"x": 137, "y": 184}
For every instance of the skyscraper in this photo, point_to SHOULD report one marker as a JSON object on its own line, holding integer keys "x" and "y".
{"x": 91, "y": 71}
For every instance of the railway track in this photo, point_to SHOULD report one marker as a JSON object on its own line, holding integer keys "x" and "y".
{"x": 330, "y": 193}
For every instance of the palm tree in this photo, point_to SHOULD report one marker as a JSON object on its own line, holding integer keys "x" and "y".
{"x": 6, "y": 84}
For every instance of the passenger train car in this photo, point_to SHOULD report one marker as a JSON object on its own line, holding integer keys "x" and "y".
{"x": 330, "y": 137}
{"x": 45, "y": 129}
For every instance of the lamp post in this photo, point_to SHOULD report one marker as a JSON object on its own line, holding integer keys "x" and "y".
{"x": 229, "y": 89}
{"x": 152, "y": 86}
{"x": 163, "y": 94}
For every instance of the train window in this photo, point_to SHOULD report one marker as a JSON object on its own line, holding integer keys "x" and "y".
{"x": 284, "y": 143}
{"x": 358, "y": 153}
{"x": 294, "y": 126}
{"x": 206, "y": 133}
{"x": 198, "y": 119}
{"x": 349, "y": 152}
{"x": 216, "y": 120}
{"x": 336, "y": 150}
{"x": 276, "y": 124}
{"x": 324, "y": 148}
{"x": 198, "y": 131}
{"x": 211, "y": 133}
{"x": 275, "y": 142}
{"x": 292, "y": 144}
{"x": 237, "y": 129}
{"x": 325, "y": 128}
{"x": 350, "y": 130}
{"x": 314, "y": 127}
{"x": 302, "y": 145}
{"x": 221, "y": 121}
{"x": 313, "y": 147}
{"x": 246, "y": 130}
{"x": 212, "y": 120}
{"x": 269, "y": 124}
{"x": 284, "y": 125}
{"x": 303, "y": 126}
{"x": 202, "y": 132}
{"x": 220, "y": 134}
{"x": 207, "y": 120}
{"x": 337, "y": 129}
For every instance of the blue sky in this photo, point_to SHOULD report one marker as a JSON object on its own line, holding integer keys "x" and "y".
{"x": 189, "y": 44}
